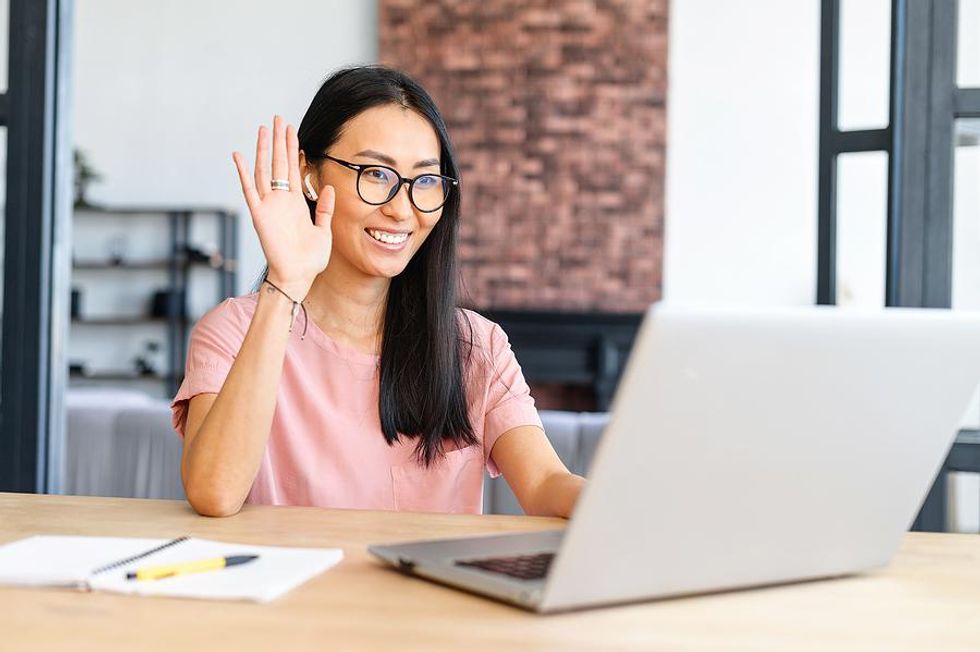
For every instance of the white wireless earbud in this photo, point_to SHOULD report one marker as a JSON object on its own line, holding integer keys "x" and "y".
{"x": 310, "y": 192}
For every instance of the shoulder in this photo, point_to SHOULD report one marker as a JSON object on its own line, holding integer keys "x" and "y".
{"x": 491, "y": 365}
{"x": 230, "y": 318}
{"x": 486, "y": 347}
{"x": 244, "y": 305}
{"x": 482, "y": 332}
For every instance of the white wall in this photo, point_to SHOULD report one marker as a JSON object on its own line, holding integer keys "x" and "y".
{"x": 742, "y": 156}
{"x": 742, "y": 136}
{"x": 166, "y": 90}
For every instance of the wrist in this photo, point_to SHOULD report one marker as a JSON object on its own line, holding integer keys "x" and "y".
{"x": 294, "y": 291}
{"x": 276, "y": 293}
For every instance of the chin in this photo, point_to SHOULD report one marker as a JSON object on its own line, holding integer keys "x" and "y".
{"x": 386, "y": 272}
{"x": 388, "y": 269}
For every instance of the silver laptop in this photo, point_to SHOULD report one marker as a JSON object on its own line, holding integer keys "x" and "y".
{"x": 746, "y": 447}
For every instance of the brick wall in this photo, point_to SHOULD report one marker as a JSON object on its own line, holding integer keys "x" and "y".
{"x": 557, "y": 112}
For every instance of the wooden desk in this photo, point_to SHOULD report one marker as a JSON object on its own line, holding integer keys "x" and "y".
{"x": 928, "y": 599}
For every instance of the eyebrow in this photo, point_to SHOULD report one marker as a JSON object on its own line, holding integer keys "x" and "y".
{"x": 384, "y": 158}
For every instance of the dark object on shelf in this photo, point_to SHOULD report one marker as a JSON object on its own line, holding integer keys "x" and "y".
{"x": 84, "y": 175}
{"x": 76, "y": 303}
{"x": 76, "y": 368}
{"x": 168, "y": 302}
{"x": 196, "y": 254}
{"x": 144, "y": 363}
{"x": 117, "y": 245}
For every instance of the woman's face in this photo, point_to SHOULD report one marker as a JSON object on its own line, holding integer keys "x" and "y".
{"x": 389, "y": 135}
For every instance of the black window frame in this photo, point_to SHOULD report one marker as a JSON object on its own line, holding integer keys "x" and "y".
{"x": 36, "y": 275}
{"x": 925, "y": 103}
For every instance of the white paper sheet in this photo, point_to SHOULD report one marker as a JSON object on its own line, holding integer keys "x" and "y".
{"x": 69, "y": 561}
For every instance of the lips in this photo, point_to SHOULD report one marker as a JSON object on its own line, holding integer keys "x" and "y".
{"x": 387, "y": 241}
{"x": 388, "y": 237}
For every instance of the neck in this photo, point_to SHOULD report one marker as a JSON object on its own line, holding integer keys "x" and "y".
{"x": 346, "y": 303}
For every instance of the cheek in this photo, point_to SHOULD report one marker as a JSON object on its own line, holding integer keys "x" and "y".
{"x": 348, "y": 216}
{"x": 429, "y": 221}
{"x": 425, "y": 230}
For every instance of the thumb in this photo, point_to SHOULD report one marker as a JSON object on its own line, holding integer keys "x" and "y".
{"x": 325, "y": 206}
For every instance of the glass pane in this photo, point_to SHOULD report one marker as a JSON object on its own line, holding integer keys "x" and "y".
{"x": 862, "y": 192}
{"x": 963, "y": 494}
{"x": 865, "y": 37}
{"x": 3, "y": 201}
{"x": 968, "y": 37}
{"x": 964, "y": 513}
{"x": 4, "y": 47}
{"x": 966, "y": 230}
{"x": 964, "y": 508}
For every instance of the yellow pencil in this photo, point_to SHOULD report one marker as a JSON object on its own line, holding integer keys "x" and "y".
{"x": 160, "y": 572}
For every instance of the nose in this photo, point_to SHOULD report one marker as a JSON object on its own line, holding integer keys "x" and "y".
{"x": 400, "y": 206}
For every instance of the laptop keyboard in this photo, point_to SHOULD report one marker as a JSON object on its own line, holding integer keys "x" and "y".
{"x": 524, "y": 567}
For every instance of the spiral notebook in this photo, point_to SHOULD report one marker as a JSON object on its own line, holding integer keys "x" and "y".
{"x": 101, "y": 564}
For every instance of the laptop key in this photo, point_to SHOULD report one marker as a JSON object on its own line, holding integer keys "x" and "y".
{"x": 524, "y": 567}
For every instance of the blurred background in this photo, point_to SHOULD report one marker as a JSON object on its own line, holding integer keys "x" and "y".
{"x": 613, "y": 153}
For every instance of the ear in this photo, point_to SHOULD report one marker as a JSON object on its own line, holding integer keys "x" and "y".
{"x": 304, "y": 165}
{"x": 309, "y": 176}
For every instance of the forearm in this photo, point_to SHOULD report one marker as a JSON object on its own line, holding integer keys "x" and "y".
{"x": 557, "y": 495}
{"x": 224, "y": 455}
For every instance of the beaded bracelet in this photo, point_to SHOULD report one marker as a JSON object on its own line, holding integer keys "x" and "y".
{"x": 296, "y": 306}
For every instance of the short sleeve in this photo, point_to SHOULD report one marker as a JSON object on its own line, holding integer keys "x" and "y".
{"x": 214, "y": 345}
{"x": 509, "y": 403}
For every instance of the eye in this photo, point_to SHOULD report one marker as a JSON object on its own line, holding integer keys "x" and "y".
{"x": 378, "y": 175}
{"x": 427, "y": 181}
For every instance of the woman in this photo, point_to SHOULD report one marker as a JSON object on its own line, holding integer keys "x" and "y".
{"x": 351, "y": 378}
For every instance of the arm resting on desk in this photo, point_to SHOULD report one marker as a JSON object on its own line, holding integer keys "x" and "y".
{"x": 226, "y": 433}
{"x": 542, "y": 483}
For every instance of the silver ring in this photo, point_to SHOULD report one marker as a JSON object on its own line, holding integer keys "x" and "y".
{"x": 280, "y": 184}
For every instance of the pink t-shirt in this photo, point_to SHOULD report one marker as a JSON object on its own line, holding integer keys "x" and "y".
{"x": 326, "y": 447}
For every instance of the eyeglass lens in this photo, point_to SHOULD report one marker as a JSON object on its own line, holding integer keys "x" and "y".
{"x": 378, "y": 185}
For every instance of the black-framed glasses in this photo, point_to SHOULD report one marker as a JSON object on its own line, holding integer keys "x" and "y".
{"x": 378, "y": 184}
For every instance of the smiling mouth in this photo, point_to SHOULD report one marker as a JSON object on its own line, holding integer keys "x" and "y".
{"x": 388, "y": 238}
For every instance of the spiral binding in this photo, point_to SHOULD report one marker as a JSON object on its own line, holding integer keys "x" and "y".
{"x": 123, "y": 562}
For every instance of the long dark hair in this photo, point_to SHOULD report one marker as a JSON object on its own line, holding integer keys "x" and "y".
{"x": 422, "y": 394}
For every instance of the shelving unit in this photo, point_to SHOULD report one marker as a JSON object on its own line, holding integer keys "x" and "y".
{"x": 122, "y": 257}
{"x": 110, "y": 376}
{"x": 118, "y": 321}
{"x": 147, "y": 264}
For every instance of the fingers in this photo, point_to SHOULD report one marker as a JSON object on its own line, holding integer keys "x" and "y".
{"x": 251, "y": 196}
{"x": 262, "y": 162}
{"x": 324, "y": 207}
{"x": 285, "y": 159}
{"x": 292, "y": 154}
{"x": 280, "y": 164}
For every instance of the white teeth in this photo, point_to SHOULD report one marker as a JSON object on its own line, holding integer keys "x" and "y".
{"x": 389, "y": 238}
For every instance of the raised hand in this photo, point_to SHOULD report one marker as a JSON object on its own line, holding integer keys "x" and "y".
{"x": 295, "y": 248}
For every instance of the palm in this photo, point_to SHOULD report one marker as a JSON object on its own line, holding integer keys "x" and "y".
{"x": 296, "y": 248}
